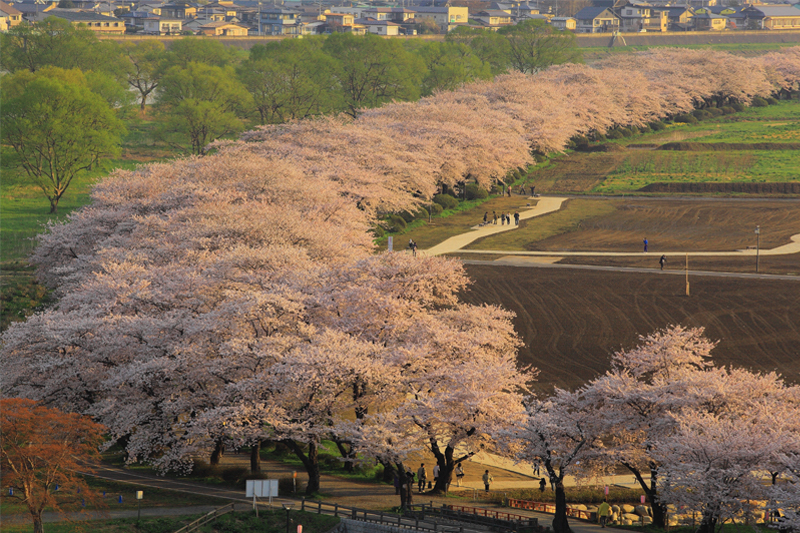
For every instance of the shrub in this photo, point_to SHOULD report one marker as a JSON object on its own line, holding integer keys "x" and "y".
{"x": 737, "y": 106}
{"x": 599, "y": 136}
{"x": 204, "y": 469}
{"x": 645, "y": 129}
{"x": 436, "y": 209}
{"x": 234, "y": 474}
{"x": 757, "y": 101}
{"x": 701, "y": 114}
{"x": 395, "y": 223}
{"x": 407, "y": 216}
{"x": 715, "y": 111}
{"x": 727, "y": 110}
{"x": 539, "y": 158}
{"x": 446, "y": 201}
{"x": 378, "y": 232}
{"x": 685, "y": 119}
{"x": 627, "y": 132}
{"x": 615, "y": 134}
{"x": 772, "y": 101}
{"x": 476, "y": 193}
{"x": 657, "y": 125}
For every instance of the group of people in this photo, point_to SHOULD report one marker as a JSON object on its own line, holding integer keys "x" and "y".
{"x": 412, "y": 246}
{"x": 504, "y": 218}
{"x": 404, "y": 481}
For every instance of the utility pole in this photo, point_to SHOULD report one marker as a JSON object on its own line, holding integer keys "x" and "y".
{"x": 758, "y": 238}
{"x": 687, "y": 274}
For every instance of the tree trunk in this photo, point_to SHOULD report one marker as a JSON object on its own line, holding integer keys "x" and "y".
{"x": 651, "y": 491}
{"x": 310, "y": 461}
{"x": 142, "y": 108}
{"x": 38, "y": 526}
{"x": 54, "y": 205}
{"x": 389, "y": 471}
{"x": 560, "y": 523}
{"x": 216, "y": 455}
{"x": 255, "y": 458}
{"x": 708, "y": 524}
{"x": 347, "y": 454}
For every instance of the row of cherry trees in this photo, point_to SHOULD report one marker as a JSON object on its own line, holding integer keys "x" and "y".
{"x": 236, "y": 298}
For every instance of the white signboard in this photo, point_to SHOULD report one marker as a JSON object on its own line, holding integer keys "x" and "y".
{"x": 262, "y": 488}
{"x": 389, "y": 243}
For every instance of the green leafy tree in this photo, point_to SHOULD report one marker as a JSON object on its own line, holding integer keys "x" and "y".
{"x": 290, "y": 79}
{"x": 490, "y": 47}
{"x": 450, "y": 65}
{"x": 57, "y": 126}
{"x": 534, "y": 45}
{"x": 374, "y": 70}
{"x": 199, "y": 50}
{"x": 203, "y": 102}
{"x": 143, "y": 65}
{"x": 57, "y": 43}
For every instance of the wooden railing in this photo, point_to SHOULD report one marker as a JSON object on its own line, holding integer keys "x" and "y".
{"x": 550, "y": 508}
{"x": 489, "y": 513}
{"x": 377, "y": 517}
{"x": 200, "y": 522}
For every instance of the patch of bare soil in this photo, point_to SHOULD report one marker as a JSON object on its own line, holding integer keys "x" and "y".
{"x": 572, "y": 321}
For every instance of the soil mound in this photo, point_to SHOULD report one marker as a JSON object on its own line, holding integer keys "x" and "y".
{"x": 711, "y": 187}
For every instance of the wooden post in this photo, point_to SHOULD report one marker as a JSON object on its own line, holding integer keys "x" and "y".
{"x": 687, "y": 274}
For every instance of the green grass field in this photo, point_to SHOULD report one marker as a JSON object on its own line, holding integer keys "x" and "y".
{"x": 640, "y": 164}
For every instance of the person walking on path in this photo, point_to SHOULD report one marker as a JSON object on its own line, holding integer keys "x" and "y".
{"x": 603, "y": 513}
{"x": 542, "y": 485}
{"x": 485, "y": 217}
{"x": 533, "y": 190}
{"x": 662, "y": 261}
{"x": 645, "y": 245}
{"x": 536, "y": 467}
{"x": 487, "y": 480}
{"x": 516, "y": 219}
{"x": 459, "y": 474}
{"x": 422, "y": 477}
{"x": 494, "y": 217}
{"x": 502, "y": 219}
{"x": 436, "y": 473}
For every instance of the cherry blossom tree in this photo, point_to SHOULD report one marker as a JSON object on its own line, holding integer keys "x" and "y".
{"x": 561, "y": 432}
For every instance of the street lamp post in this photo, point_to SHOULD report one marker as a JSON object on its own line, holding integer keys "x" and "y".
{"x": 287, "y": 506}
{"x": 758, "y": 238}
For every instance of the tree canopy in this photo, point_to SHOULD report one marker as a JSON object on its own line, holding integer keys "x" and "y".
{"x": 57, "y": 126}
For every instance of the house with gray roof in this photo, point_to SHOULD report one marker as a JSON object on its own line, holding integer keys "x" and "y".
{"x": 596, "y": 20}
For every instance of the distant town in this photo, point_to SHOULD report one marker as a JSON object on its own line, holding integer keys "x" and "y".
{"x": 296, "y": 18}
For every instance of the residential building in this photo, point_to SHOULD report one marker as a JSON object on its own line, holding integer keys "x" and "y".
{"x": 380, "y": 27}
{"x": 773, "y": 17}
{"x": 280, "y": 21}
{"x": 32, "y": 12}
{"x": 162, "y": 26}
{"x": 678, "y": 17}
{"x": 222, "y": 28}
{"x": 596, "y": 20}
{"x": 642, "y": 17}
{"x": 447, "y": 18}
{"x": 179, "y": 10}
{"x": 10, "y": 16}
{"x": 493, "y": 18}
{"x": 92, "y": 21}
{"x": 564, "y": 23}
{"x": 708, "y": 21}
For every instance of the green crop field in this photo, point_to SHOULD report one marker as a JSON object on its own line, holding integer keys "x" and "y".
{"x": 638, "y": 162}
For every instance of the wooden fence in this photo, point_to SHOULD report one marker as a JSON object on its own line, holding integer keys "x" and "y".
{"x": 550, "y": 508}
{"x": 200, "y": 522}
